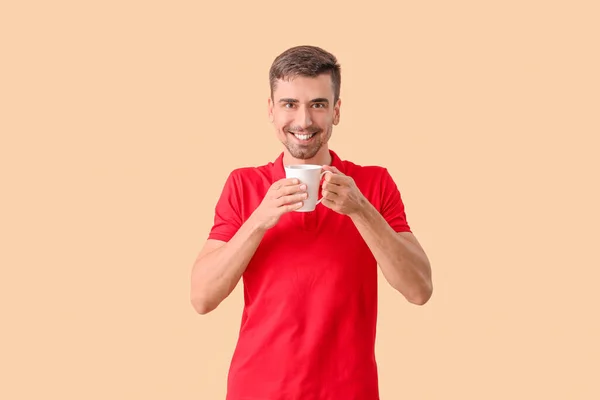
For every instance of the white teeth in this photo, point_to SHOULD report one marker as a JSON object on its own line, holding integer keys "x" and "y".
{"x": 303, "y": 137}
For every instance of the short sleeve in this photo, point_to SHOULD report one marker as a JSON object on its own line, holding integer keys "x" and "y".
{"x": 392, "y": 207}
{"x": 227, "y": 218}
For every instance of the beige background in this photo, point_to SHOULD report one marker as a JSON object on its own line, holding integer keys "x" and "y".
{"x": 118, "y": 122}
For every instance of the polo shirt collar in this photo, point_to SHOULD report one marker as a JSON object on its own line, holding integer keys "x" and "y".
{"x": 278, "y": 172}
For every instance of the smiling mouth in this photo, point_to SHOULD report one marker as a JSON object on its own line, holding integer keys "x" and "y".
{"x": 303, "y": 136}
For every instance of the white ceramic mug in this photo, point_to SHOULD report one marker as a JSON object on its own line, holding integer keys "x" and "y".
{"x": 311, "y": 176}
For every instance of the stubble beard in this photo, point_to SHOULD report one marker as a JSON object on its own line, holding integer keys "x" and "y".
{"x": 305, "y": 152}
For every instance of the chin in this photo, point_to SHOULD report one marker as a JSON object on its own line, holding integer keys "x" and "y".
{"x": 302, "y": 151}
{"x": 302, "y": 155}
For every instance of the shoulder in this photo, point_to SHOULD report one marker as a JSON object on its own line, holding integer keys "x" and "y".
{"x": 365, "y": 172}
{"x": 248, "y": 171}
{"x": 248, "y": 175}
{"x": 374, "y": 181}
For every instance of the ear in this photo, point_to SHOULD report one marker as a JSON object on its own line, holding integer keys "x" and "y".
{"x": 336, "y": 112}
{"x": 270, "y": 109}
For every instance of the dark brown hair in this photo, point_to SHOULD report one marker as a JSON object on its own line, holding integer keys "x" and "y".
{"x": 308, "y": 61}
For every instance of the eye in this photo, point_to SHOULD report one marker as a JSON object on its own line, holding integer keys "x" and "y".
{"x": 319, "y": 105}
{"x": 288, "y": 105}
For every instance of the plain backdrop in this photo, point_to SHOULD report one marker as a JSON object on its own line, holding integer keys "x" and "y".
{"x": 120, "y": 121}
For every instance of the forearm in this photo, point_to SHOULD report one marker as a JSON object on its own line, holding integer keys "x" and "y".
{"x": 215, "y": 275}
{"x": 403, "y": 263}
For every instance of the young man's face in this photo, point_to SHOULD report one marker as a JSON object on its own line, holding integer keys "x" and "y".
{"x": 303, "y": 113}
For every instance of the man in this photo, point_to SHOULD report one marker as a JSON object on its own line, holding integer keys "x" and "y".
{"x": 310, "y": 278}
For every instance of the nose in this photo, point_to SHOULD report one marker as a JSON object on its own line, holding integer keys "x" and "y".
{"x": 303, "y": 118}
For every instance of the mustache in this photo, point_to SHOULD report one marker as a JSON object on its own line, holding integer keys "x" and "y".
{"x": 297, "y": 129}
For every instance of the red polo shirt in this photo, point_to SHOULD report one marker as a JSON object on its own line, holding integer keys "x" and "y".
{"x": 310, "y": 292}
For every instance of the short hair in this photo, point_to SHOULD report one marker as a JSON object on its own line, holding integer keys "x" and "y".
{"x": 307, "y": 61}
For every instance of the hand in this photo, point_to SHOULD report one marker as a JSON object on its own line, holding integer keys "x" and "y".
{"x": 340, "y": 192}
{"x": 283, "y": 196}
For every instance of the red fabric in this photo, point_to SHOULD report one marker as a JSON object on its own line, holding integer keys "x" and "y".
{"x": 310, "y": 292}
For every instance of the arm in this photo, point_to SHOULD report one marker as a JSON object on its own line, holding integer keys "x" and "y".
{"x": 403, "y": 262}
{"x": 220, "y": 266}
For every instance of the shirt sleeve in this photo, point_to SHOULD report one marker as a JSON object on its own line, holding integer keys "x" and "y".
{"x": 227, "y": 219}
{"x": 392, "y": 206}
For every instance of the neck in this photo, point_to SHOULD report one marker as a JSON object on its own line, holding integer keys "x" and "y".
{"x": 323, "y": 157}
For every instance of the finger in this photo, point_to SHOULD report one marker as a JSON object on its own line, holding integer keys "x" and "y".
{"x": 326, "y": 194}
{"x": 333, "y": 169}
{"x": 287, "y": 190}
{"x": 328, "y": 203}
{"x": 292, "y": 207}
{"x": 331, "y": 187}
{"x": 334, "y": 178}
{"x": 291, "y": 199}
{"x": 284, "y": 182}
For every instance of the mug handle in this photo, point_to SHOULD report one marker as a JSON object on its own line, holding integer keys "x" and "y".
{"x": 321, "y": 176}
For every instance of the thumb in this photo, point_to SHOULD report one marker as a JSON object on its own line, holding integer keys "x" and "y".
{"x": 331, "y": 168}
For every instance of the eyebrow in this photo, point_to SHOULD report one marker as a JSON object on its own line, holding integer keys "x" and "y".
{"x": 317, "y": 100}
